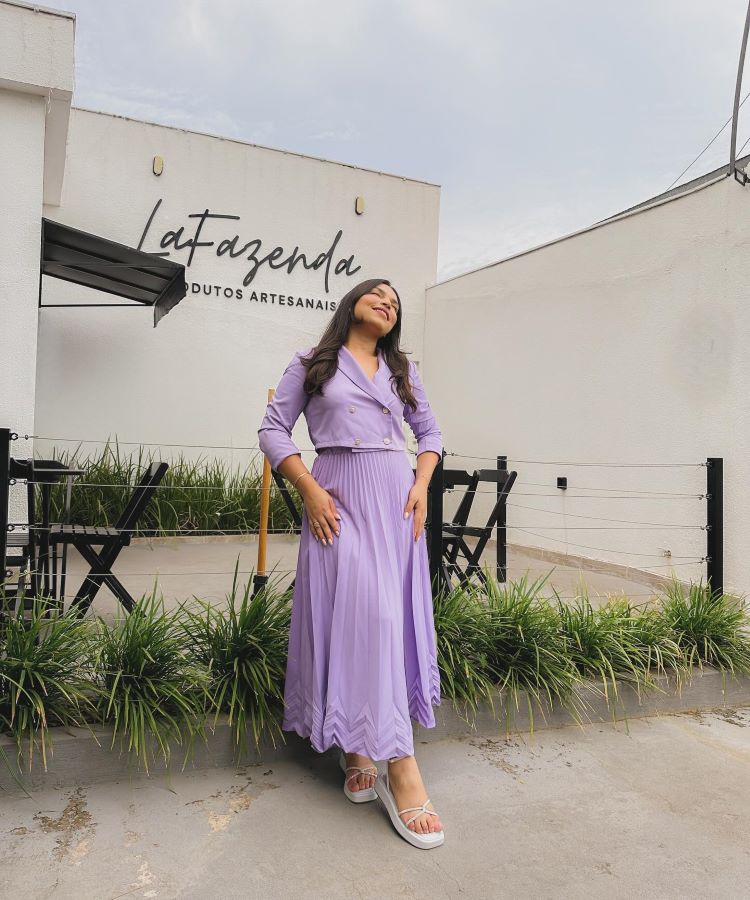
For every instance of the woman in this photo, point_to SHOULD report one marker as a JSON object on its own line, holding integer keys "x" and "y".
{"x": 362, "y": 653}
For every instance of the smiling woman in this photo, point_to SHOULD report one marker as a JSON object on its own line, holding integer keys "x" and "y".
{"x": 362, "y": 659}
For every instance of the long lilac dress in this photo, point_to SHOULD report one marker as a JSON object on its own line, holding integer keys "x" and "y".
{"x": 362, "y": 652}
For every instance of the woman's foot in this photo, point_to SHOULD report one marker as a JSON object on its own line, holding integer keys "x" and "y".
{"x": 408, "y": 790}
{"x": 359, "y": 781}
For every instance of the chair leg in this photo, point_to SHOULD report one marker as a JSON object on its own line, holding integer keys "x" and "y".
{"x": 99, "y": 574}
{"x": 117, "y": 588}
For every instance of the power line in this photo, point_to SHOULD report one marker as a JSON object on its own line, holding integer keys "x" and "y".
{"x": 708, "y": 145}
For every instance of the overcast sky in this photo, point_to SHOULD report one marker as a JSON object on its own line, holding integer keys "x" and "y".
{"x": 536, "y": 118}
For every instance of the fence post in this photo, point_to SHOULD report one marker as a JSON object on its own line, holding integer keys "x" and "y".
{"x": 502, "y": 521}
{"x": 715, "y": 523}
{"x": 5, "y": 436}
{"x": 437, "y": 486}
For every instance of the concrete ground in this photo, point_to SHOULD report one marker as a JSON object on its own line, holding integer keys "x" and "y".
{"x": 203, "y": 567}
{"x": 655, "y": 810}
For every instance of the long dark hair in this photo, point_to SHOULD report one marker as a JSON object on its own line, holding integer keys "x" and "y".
{"x": 323, "y": 362}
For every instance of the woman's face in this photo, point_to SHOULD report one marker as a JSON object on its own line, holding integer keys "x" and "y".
{"x": 378, "y": 310}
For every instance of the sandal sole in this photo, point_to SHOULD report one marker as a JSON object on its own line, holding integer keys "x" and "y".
{"x": 421, "y": 841}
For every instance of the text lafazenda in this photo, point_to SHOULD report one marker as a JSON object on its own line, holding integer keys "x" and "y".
{"x": 192, "y": 238}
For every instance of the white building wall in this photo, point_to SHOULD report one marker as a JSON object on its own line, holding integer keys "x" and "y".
{"x": 36, "y": 81}
{"x": 21, "y": 176}
{"x": 201, "y": 377}
{"x": 623, "y": 344}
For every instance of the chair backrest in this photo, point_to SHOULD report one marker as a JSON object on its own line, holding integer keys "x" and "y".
{"x": 504, "y": 480}
{"x": 141, "y": 496}
{"x": 453, "y": 478}
{"x": 460, "y": 522}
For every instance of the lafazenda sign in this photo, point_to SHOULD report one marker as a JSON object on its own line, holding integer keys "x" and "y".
{"x": 192, "y": 238}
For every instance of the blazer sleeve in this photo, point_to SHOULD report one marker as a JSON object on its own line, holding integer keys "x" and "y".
{"x": 422, "y": 420}
{"x": 289, "y": 399}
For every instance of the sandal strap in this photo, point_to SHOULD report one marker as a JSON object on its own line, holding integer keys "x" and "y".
{"x": 369, "y": 774}
{"x": 422, "y": 811}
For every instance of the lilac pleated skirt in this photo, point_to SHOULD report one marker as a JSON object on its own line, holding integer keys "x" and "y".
{"x": 362, "y": 654}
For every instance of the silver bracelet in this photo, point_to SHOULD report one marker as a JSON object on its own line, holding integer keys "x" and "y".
{"x": 294, "y": 483}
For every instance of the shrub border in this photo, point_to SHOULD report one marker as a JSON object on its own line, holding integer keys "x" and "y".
{"x": 82, "y": 755}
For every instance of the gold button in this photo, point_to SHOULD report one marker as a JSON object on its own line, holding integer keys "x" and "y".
{"x": 351, "y": 409}
{"x": 385, "y": 409}
{"x": 386, "y": 440}
{"x": 357, "y": 441}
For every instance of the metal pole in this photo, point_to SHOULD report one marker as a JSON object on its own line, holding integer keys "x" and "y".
{"x": 502, "y": 521}
{"x": 715, "y": 523}
{"x": 4, "y": 499}
{"x": 261, "y": 579}
{"x": 737, "y": 91}
{"x": 437, "y": 485}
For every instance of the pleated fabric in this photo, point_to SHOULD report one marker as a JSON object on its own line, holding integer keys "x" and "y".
{"x": 362, "y": 651}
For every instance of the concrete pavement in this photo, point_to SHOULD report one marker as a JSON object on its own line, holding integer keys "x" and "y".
{"x": 657, "y": 809}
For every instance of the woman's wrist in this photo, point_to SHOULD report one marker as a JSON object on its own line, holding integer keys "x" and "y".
{"x": 303, "y": 482}
{"x": 307, "y": 486}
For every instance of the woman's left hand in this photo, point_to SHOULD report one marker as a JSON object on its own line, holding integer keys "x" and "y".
{"x": 417, "y": 501}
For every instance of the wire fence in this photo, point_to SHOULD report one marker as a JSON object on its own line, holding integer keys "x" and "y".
{"x": 546, "y": 532}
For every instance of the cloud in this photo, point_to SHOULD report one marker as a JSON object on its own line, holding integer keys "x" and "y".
{"x": 537, "y": 118}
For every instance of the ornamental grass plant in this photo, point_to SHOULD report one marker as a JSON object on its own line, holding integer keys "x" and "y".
{"x": 196, "y": 497}
{"x": 619, "y": 642}
{"x": 709, "y": 627}
{"x": 150, "y": 688}
{"x": 157, "y": 676}
{"x": 527, "y": 650}
{"x": 243, "y": 647}
{"x": 45, "y": 677}
{"x": 463, "y": 649}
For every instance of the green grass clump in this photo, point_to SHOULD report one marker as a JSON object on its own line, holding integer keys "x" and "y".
{"x": 150, "y": 686}
{"x": 45, "y": 677}
{"x": 618, "y": 642}
{"x": 196, "y": 497}
{"x": 156, "y": 677}
{"x": 527, "y": 651}
{"x": 710, "y": 628}
{"x": 244, "y": 649}
{"x": 462, "y": 637}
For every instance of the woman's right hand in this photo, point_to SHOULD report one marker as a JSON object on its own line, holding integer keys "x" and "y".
{"x": 320, "y": 508}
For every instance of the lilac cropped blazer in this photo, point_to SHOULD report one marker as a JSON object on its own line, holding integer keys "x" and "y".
{"x": 354, "y": 411}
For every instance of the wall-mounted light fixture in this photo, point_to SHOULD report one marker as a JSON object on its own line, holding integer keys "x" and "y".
{"x": 359, "y": 205}
{"x": 158, "y": 165}
{"x": 562, "y": 482}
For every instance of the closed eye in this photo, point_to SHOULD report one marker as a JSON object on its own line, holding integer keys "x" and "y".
{"x": 379, "y": 292}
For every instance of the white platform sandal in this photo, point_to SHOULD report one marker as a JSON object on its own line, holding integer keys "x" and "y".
{"x": 423, "y": 841}
{"x": 363, "y": 795}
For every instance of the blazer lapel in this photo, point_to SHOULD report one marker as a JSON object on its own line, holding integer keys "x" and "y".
{"x": 379, "y": 388}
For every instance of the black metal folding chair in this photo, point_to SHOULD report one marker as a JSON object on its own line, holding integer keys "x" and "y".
{"x": 111, "y": 540}
{"x": 459, "y": 560}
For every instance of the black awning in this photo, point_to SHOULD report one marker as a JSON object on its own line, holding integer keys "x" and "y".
{"x": 105, "y": 265}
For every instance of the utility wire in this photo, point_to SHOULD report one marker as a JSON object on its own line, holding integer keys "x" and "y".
{"x": 708, "y": 145}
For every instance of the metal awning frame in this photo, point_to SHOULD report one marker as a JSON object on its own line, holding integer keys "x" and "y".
{"x": 91, "y": 261}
